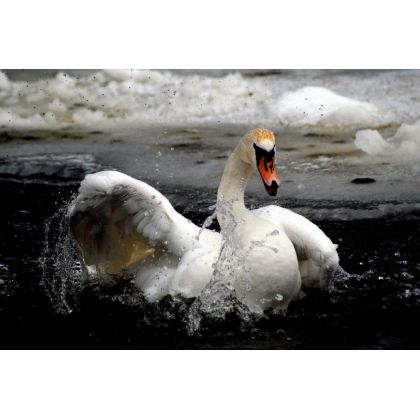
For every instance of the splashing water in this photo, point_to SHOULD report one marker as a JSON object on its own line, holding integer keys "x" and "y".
{"x": 217, "y": 312}
{"x": 209, "y": 220}
{"x": 219, "y": 298}
{"x": 62, "y": 271}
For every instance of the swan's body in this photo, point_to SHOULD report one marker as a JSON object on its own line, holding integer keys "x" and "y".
{"x": 121, "y": 223}
{"x": 267, "y": 254}
{"x": 317, "y": 255}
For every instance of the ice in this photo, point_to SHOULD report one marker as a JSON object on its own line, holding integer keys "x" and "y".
{"x": 4, "y": 81}
{"x": 116, "y": 98}
{"x": 87, "y": 117}
{"x": 51, "y": 167}
{"x": 403, "y": 145}
{"x": 320, "y": 106}
{"x": 12, "y": 119}
{"x": 113, "y": 99}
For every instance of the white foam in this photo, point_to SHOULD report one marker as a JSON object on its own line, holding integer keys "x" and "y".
{"x": 403, "y": 145}
{"x": 320, "y": 106}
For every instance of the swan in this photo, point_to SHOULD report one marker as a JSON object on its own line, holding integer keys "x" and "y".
{"x": 270, "y": 256}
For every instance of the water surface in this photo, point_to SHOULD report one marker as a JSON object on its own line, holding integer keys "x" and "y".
{"x": 368, "y": 206}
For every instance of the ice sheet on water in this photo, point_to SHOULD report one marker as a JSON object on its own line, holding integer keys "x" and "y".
{"x": 320, "y": 106}
{"x": 4, "y": 81}
{"x": 404, "y": 145}
{"x": 123, "y": 97}
{"x": 114, "y": 99}
{"x": 50, "y": 167}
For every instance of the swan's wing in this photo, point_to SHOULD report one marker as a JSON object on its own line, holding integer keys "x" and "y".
{"x": 309, "y": 240}
{"x": 117, "y": 221}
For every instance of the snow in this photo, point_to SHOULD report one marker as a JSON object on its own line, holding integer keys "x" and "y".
{"x": 310, "y": 106}
{"x": 403, "y": 145}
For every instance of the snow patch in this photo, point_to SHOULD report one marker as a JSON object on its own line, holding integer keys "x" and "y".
{"x": 113, "y": 99}
{"x": 403, "y": 145}
{"x": 4, "y": 81}
{"x": 311, "y": 106}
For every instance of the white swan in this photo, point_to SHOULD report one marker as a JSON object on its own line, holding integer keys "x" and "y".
{"x": 269, "y": 255}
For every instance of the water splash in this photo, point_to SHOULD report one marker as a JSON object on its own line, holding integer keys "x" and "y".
{"x": 219, "y": 298}
{"x": 208, "y": 222}
{"x": 62, "y": 271}
{"x": 217, "y": 311}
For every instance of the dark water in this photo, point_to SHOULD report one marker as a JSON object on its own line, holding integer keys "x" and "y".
{"x": 377, "y": 306}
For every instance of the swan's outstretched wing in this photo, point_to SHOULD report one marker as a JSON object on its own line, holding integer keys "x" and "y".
{"x": 317, "y": 255}
{"x": 117, "y": 221}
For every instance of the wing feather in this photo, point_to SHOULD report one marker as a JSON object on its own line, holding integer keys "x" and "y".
{"x": 118, "y": 221}
{"x": 317, "y": 255}
{"x": 308, "y": 239}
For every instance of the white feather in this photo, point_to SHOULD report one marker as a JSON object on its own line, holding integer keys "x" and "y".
{"x": 317, "y": 255}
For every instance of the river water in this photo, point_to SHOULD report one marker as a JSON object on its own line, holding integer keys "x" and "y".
{"x": 361, "y": 187}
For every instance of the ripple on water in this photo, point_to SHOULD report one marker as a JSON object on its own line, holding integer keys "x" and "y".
{"x": 217, "y": 315}
{"x": 373, "y": 303}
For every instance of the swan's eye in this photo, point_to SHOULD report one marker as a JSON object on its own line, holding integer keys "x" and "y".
{"x": 267, "y": 169}
{"x": 263, "y": 153}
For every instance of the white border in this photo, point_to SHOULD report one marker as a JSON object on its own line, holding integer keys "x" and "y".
{"x": 216, "y": 34}
{"x": 209, "y": 34}
{"x": 209, "y": 385}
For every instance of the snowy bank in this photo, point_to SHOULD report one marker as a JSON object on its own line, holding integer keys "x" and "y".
{"x": 403, "y": 145}
{"x": 317, "y": 106}
{"x": 112, "y": 99}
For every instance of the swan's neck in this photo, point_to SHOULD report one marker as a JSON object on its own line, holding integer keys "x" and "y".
{"x": 230, "y": 195}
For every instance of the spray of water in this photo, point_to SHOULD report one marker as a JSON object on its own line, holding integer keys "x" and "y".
{"x": 209, "y": 220}
{"x": 219, "y": 297}
{"x": 62, "y": 272}
{"x": 64, "y": 278}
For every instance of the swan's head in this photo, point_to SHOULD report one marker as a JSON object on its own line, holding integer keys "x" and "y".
{"x": 258, "y": 148}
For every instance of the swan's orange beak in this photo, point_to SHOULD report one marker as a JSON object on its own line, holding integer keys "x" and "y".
{"x": 269, "y": 175}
